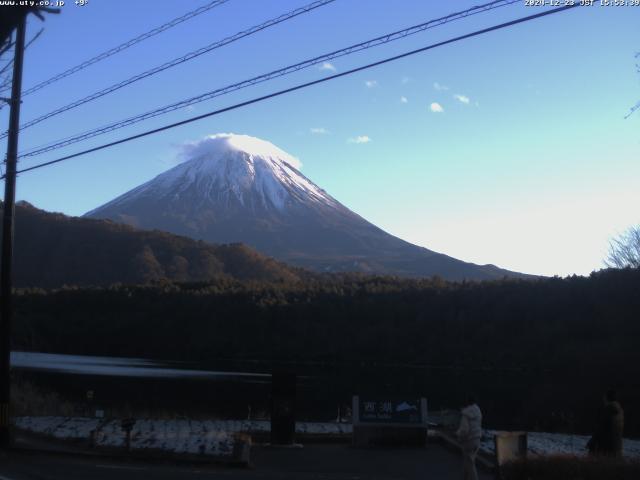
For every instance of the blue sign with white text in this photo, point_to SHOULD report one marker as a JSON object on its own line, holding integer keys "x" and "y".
{"x": 390, "y": 411}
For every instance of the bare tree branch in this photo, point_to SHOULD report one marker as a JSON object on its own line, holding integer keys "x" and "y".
{"x": 624, "y": 251}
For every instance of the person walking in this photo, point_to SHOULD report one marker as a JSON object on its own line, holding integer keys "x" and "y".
{"x": 469, "y": 434}
{"x": 607, "y": 439}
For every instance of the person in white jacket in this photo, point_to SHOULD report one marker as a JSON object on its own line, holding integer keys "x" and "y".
{"x": 469, "y": 434}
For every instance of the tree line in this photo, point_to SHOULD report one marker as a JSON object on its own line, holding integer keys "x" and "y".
{"x": 556, "y": 343}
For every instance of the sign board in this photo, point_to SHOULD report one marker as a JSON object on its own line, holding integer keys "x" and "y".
{"x": 389, "y": 411}
{"x": 389, "y": 421}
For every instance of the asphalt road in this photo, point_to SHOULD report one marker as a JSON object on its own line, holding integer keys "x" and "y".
{"x": 319, "y": 462}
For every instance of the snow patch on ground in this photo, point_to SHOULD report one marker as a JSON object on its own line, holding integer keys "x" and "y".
{"x": 202, "y": 437}
{"x": 159, "y": 431}
{"x": 541, "y": 443}
{"x": 70, "y": 428}
{"x": 217, "y": 437}
{"x": 176, "y": 436}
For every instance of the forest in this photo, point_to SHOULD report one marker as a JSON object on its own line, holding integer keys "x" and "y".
{"x": 548, "y": 345}
{"x": 52, "y": 250}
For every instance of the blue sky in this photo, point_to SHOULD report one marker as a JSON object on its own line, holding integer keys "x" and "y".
{"x": 510, "y": 148}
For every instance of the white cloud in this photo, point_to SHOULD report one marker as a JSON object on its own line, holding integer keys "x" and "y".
{"x": 319, "y": 131}
{"x": 436, "y": 107}
{"x": 220, "y": 144}
{"x": 327, "y": 66}
{"x": 439, "y": 87}
{"x": 404, "y": 100}
{"x": 359, "y": 139}
{"x": 462, "y": 98}
{"x": 405, "y": 80}
{"x": 371, "y": 83}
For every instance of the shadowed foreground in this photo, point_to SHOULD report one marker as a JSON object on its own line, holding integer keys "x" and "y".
{"x": 313, "y": 461}
{"x": 563, "y": 467}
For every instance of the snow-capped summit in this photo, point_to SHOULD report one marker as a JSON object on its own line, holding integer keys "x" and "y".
{"x": 222, "y": 143}
{"x": 227, "y": 168}
{"x": 238, "y": 188}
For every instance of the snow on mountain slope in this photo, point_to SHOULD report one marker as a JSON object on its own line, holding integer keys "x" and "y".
{"x": 237, "y": 188}
{"x": 252, "y": 171}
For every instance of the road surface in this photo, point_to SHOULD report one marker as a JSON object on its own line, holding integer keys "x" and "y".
{"x": 318, "y": 462}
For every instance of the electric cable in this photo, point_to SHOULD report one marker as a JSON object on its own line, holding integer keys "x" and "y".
{"x": 125, "y": 45}
{"x": 176, "y": 61}
{"x": 303, "y": 85}
{"x": 265, "y": 77}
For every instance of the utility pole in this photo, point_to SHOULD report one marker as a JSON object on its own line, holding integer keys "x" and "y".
{"x": 6, "y": 304}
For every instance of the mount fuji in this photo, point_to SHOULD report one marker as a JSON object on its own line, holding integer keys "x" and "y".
{"x": 236, "y": 188}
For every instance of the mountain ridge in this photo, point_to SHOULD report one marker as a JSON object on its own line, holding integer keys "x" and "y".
{"x": 53, "y": 249}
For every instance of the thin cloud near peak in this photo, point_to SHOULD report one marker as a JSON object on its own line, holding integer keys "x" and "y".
{"x": 359, "y": 139}
{"x": 462, "y": 98}
{"x": 326, "y": 66}
{"x": 319, "y": 131}
{"x": 440, "y": 87}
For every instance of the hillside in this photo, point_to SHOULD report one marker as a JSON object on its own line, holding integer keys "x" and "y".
{"x": 52, "y": 249}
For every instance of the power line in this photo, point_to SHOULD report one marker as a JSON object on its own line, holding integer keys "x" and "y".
{"x": 34, "y": 38}
{"x": 177, "y": 61}
{"x": 303, "y": 85}
{"x": 269, "y": 76}
{"x": 6, "y": 47}
{"x": 125, "y": 45}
